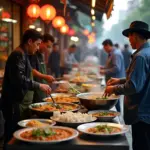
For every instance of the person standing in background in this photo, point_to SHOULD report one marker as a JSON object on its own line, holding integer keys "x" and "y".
{"x": 39, "y": 67}
{"x": 127, "y": 55}
{"x": 114, "y": 67}
{"x": 103, "y": 57}
{"x": 67, "y": 60}
{"x": 117, "y": 46}
{"x": 46, "y": 45}
{"x": 54, "y": 60}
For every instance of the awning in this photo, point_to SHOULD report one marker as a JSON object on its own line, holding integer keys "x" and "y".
{"x": 101, "y": 7}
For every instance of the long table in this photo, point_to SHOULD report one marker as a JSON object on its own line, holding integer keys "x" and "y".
{"x": 82, "y": 142}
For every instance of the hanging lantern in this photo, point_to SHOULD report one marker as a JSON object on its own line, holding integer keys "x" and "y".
{"x": 58, "y": 22}
{"x": 71, "y": 32}
{"x": 47, "y": 13}
{"x": 86, "y": 32}
{"x": 33, "y": 11}
{"x": 5, "y": 14}
{"x": 64, "y": 29}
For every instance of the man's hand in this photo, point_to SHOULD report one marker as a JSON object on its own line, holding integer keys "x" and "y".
{"x": 49, "y": 78}
{"x": 113, "y": 81}
{"x": 109, "y": 90}
{"x": 101, "y": 67}
{"x": 45, "y": 88}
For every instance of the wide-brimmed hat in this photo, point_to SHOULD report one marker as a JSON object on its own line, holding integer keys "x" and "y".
{"x": 138, "y": 27}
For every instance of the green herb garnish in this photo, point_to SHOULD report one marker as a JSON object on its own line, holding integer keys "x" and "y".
{"x": 43, "y": 132}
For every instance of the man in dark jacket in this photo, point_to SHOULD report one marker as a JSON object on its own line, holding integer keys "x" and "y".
{"x": 54, "y": 61}
{"x": 136, "y": 86}
{"x": 18, "y": 86}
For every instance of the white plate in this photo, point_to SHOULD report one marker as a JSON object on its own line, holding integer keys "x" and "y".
{"x": 60, "y": 82}
{"x": 105, "y": 118}
{"x": 84, "y": 127}
{"x": 74, "y": 132}
{"x": 49, "y": 122}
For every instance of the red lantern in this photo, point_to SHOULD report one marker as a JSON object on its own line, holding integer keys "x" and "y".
{"x": 86, "y": 32}
{"x": 58, "y": 22}
{"x": 33, "y": 11}
{"x": 71, "y": 32}
{"x": 5, "y": 14}
{"x": 64, "y": 29}
{"x": 48, "y": 12}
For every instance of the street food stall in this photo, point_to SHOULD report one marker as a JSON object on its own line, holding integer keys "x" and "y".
{"x": 78, "y": 121}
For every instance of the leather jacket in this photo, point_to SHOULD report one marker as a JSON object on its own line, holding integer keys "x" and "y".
{"x": 17, "y": 81}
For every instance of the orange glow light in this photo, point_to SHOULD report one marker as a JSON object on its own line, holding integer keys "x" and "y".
{"x": 58, "y": 22}
{"x": 86, "y": 32}
{"x": 48, "y": 12}
{"x": 64, "y": 29}
{"x": 33, "y": 11}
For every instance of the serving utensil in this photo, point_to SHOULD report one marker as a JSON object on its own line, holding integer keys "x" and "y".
{"x": 74, "y": 88}
{"x": 54, "y": 103}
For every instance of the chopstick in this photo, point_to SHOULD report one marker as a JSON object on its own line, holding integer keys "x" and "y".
{"x": 74, "y": 88}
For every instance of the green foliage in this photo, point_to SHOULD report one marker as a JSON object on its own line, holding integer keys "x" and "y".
{"x": 141, "y": 13}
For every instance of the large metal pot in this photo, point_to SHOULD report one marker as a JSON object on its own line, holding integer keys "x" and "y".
{"x": 90, "y": 102}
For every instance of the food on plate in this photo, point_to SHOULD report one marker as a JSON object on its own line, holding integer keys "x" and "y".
{"x": 80, "y": 79}
{"x": 70, "y": 117}
{"x": 36, "y": 123}
{"x": 46, "y": 134}
{"x": 101, "y": 98}
{"x": 104, "y": 129}
{"x": 61, "y": 90}
{"x": 48, "y": 107}
{"x": 105, "y": 114}
{"x": 96, "y": 97}
{"x": 90, "y": 86}
{"x": 64, "y": 99}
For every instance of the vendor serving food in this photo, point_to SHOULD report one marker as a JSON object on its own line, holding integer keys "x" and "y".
{"x": 18, "y": 85}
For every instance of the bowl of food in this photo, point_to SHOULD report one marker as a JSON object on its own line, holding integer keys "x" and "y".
{"x": 104, "y": 115}
{"x": 36, "y": 123}
{"x": 90, "y": 87}
{"x": 46, "y": 109}
{"x": 81, "y": 79}
{"x": 72, "y": 119}
{"x": 94, "y": 101}
{"x": 46, "y": 135}
{"x": 104, "y": 129}
{"x": 62, "y": 98}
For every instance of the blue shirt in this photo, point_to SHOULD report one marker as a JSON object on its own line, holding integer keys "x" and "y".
{"x": 127, "y": 55}
{"x": 136, "y": 87}
{"x": 115, "y": 65}
{"x": 69, "y": 59}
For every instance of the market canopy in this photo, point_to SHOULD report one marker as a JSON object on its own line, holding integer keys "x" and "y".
{"x": 101, "y": 7}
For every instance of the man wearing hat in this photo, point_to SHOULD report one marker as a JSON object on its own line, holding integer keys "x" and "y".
{"x": 136, "y": 86}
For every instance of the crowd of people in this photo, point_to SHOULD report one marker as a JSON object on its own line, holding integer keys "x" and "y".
{"x": 26, "y": 78}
